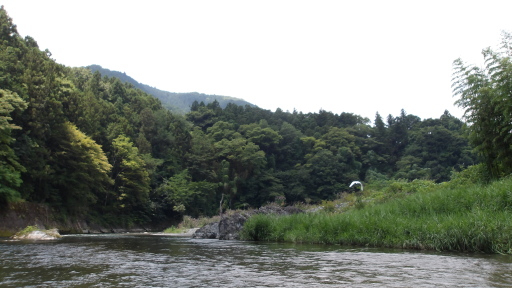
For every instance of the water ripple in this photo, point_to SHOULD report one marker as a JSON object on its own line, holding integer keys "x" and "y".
{"x": 156, "y": 261}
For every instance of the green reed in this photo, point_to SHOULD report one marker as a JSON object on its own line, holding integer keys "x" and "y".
{"x": 475, "y": 218}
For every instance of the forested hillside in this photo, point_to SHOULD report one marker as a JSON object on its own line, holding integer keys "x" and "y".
{"x": 176, "y": 102}
{"x": 95, "y": 147}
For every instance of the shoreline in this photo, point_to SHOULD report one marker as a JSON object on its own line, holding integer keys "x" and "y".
{"x": 188, "y": 233}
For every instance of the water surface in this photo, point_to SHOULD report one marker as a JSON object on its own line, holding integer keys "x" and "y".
{"x": 123, "y": 260}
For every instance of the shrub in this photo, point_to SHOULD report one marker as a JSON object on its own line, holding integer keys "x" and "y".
{"x": 404, "y": 186}
{"x": 329, "y": 206}
{"x": 359, "y": 203}
{"x": 472, "y": 175}
{"x": 173, "y": 229}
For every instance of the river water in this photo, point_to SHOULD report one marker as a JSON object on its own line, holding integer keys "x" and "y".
{"x": 124, "y": 260}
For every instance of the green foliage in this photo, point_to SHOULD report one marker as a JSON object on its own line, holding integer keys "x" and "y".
{"x": 201, "y": 159}
{"x": 484, "y": 93}
{"x": 131, "y": 179}
{"x": 403, "y": 186}
{"x": 359, "y": 204}
{"x": 259, "y": 228}
{"x": 176, "y": 230}
{"x": 82, "y": 171}
{"x": 329, "y": 206}
{"x": 186, "y": 196}
{"x": 10, "y": 169}
{"x": 27, "y": 230}
{"x": 373, "y": 176}
{"x": 244, "y": 156}
{"x": 472, "y": 175}
{"x": 10, "y": 104}
{"x": 262, "y": 135}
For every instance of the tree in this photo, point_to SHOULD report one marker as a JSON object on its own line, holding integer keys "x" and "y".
{"x": 81, "y": 171}
{"x": 131, "y": 179}
{"x": 264, "y": 187}
{"x": 201, "y": 159}
{"x": 434, "y": 151}
{"x": 182, "y": 195}
{"x": 290, "y": 151}
{"x": 262, "y": 135}
{"x": 223, "y": 130}
{"x": 245, "y": 157}
{"x": 10, "y": 169}
{"x": 325, "y": 172}
{"x": 245, "y": 160}
{"x": 202, "y": 117}
{"x": 486, "y": 95}
{"x": 12, "y": 49}
{"x": 228, "y": 182}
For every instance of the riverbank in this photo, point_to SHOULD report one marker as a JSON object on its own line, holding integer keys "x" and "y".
{"x": 470, "y": 218}
{"x": 184, "y": 233}
{"x": 17, "y": 216}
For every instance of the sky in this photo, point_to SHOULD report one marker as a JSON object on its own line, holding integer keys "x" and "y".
{"x": 359, "y": 57}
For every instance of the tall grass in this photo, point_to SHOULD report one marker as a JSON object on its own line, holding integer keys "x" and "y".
{"x": 466, "y": 218}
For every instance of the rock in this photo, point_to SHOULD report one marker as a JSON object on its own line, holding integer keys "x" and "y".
{"x": 51, "y": 234}
{"x": 230, "y": 226}
{"x": 208, "y": 231}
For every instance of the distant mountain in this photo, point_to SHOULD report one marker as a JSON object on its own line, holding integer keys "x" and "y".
{"x": 176, "y": 102}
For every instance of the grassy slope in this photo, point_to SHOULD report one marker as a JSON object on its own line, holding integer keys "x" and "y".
{"x": 465, "y": 218}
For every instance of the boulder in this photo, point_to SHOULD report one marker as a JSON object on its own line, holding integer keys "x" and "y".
{"x": 230, "y": 226}
{"x": 38, "y": 234}
{"x": 208, "y": 231}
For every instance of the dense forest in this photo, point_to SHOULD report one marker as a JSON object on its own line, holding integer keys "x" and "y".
{"x": 91, "y": 146}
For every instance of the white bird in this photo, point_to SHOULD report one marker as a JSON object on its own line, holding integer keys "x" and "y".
{"x": 355, "y": 183}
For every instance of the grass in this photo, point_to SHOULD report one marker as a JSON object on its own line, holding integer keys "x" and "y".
{"x": 189, "y": 223}
{"x": 29, "y": 229}
{"x": 474, "y": 218}
{"x": 175, "y": 230}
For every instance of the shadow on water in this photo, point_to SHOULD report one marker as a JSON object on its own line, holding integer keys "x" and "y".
{"x": 127, "y": 260}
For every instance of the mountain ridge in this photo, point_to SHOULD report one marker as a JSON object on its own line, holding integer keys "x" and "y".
{"x": 176, "y": 102}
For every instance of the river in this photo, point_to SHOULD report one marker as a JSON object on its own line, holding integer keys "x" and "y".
{"x": 124, "y": 260}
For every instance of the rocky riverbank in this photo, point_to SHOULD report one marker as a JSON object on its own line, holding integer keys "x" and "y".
{"x": 229, "y": 226}
{"x": 33, "y": 233}
{"x": 18, "y": 216}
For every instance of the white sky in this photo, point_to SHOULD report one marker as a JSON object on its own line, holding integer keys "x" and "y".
{"x": 341, "y": 56}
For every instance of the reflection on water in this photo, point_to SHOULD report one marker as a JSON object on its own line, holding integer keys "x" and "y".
{"x": 159, "y": 261}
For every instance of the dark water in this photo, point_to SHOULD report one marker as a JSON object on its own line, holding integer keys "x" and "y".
{"x": 159, "y": 261}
